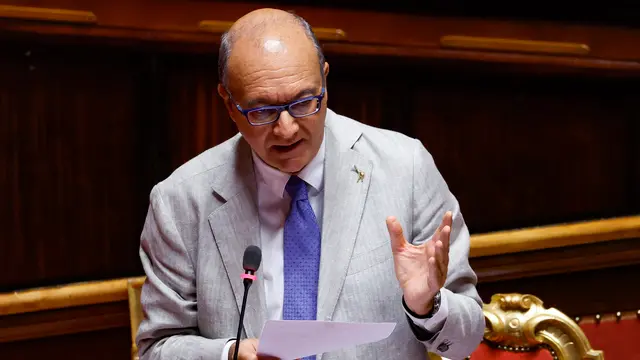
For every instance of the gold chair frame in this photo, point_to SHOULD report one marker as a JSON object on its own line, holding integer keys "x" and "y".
{"x": 520, "y": 322}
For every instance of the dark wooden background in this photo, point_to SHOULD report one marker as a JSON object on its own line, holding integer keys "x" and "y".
{"x": 86, "y": 131}
{"x": 89, "y": 124}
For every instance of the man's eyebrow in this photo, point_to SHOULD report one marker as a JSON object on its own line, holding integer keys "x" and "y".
{"x": 260, "y": 101}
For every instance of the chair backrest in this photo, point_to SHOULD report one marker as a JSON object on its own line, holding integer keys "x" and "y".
{"x": 616, "y": 334}
{"x": 519, "y": 323}
{"x": 134, "y": 288}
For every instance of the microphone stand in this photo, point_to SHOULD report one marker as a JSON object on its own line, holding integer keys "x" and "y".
{"x": 248, "y": 277}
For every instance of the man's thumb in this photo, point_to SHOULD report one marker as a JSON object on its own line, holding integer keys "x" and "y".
{"x": 395, "y": 232}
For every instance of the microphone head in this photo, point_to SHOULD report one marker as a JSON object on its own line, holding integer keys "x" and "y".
{"x": 252, "y": 258}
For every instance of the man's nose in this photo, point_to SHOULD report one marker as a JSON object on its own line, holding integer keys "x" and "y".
{"x": 286, "y": 127}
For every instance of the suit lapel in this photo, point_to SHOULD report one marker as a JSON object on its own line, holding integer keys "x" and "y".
{"x": 345, "y": 194}
{"x": 235, "y": 225}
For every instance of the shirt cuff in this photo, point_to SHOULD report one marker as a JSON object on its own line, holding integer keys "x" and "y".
{"x": 436, "y": 322}
{"x": 226, "y": 349}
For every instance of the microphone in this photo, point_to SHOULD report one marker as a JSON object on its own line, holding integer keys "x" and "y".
{"x": 250, "y": 262}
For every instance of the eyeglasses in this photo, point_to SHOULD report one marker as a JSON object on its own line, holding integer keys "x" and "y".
{"x": 264, "y": 115}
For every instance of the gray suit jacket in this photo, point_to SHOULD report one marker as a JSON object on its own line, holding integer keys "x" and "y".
{"x": 204, "y": 215}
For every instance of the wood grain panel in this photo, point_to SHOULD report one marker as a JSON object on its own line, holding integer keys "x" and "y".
{"x": 197, "y": 118}
{"x": 88, "y": 131}
{"x": 517, "y": 150}
{"x": 72, "y": 129}
{"x": 107, "y": 344}
{"x": 543, "y": 153}
{"x": 47, "y": 15}
{"x": 531, "y": 264}
{"x": 64, "y": 321}
{"x": 65, "y": 296}
{"x": 577, "y": 293}
{"x": 176, "y": 22}
{"x": 514, "y": 45}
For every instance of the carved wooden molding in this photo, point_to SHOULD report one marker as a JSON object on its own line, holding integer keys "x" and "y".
{"x": 98, "y": 292}
{"x": 513, "y": 45}
{"x": 49, "y": 15}
{"x": 517, "y": 321}
{"x": 592, "y": 66}
{"x": 555, "y": 236}
{"x": 521, "y": 265}
{"x": 214, "y": 26}
{"x": 322, "y": 34}
{"x": 330, "y": 34}
{"x": 516, "y": 241}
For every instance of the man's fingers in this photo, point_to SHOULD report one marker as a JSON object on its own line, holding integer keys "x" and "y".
{"x": 248, "y": 350}
{"x": 395, "y": 232}
{"x": 443, "y": 223}
{"x": 441, "y": 258}
{"x": 447, "y": 219}
{"x": 445, "y": 237}
{"x": 434, "y": 271}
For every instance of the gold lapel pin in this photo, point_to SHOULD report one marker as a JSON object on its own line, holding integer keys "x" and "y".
{"x": 360, "y": 173}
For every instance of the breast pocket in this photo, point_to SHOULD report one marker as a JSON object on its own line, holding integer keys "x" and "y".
{"x": 368, "y": 259}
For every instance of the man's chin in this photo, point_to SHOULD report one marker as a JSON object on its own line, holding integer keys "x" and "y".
{"x": 292, "y": 169}
{"x": 291, "y": 166}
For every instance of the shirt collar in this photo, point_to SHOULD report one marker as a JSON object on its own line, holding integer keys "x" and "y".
{"x": 276, "y": 180}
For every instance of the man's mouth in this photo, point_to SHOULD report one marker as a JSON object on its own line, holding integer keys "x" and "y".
{"x": 287, "y": 148}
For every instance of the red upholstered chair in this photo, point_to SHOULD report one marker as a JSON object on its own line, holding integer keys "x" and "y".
{"x": 519, "y": 327}
{"x": 617, "y": 335}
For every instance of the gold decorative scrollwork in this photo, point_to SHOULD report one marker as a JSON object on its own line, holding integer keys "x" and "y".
{"x": 520, "y": 322}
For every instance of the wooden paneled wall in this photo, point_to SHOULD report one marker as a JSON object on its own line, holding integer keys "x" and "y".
{"x": 77, "y": 128}
{"x": 86, "y": 132}
{"x": 93, "y": 115}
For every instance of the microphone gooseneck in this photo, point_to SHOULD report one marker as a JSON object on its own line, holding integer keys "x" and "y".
{"x": 250, "y": 263}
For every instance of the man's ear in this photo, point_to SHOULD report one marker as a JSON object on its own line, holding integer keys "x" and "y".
{"x": 326, "y": 69}
{"x": 225, "y": 98}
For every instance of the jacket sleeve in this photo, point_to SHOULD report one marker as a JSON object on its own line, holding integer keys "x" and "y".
{"x": 169, "y": 329}
{"x": 457, "y": 334}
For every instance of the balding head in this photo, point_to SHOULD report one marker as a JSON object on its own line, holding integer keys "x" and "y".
{"x": 254, "y": 26}
{"x": 272, "y": 74}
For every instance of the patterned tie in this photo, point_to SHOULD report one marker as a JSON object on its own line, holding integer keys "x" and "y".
{"x": 301, "y": 256}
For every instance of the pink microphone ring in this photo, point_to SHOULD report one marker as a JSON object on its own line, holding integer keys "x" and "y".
{"x": 248, "y": 276}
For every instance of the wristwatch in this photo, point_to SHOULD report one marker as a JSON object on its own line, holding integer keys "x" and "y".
{"x": 434, "y": 308}
{"x": 436, "y": 305}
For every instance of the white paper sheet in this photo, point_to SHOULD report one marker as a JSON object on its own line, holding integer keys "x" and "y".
{"x": 292, "y": 339}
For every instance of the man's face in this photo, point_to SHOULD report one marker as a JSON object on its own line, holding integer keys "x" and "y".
{"x": 277, "y": 74}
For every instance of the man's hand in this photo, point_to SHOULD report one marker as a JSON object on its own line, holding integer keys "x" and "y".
{"x": 248, "y": 350}
{"x": 421, "y": 270}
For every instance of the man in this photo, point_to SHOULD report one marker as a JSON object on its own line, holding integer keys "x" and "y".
{"x": 355, "y": 223}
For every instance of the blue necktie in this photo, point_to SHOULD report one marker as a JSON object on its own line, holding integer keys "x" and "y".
{"x": 301, "y": 256}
